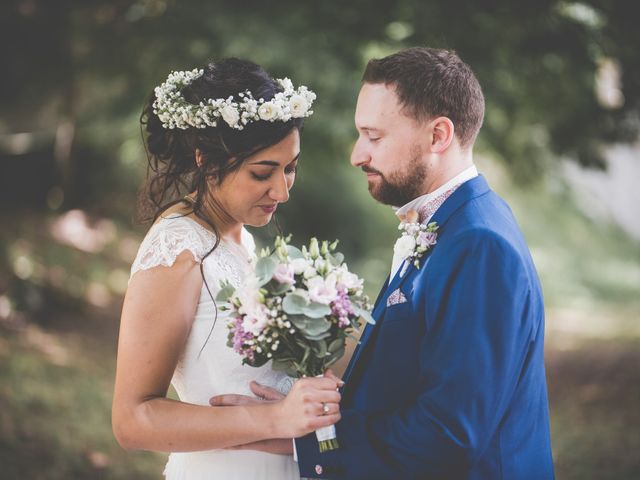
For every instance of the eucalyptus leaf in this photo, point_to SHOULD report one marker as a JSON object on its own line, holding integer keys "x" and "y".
{"x": 316, "y": 310}
{"x": 225, "y": 292}
{"x": 315, "y": 326}
{"x": 336, "y": 258}
{"x": 365, "y": 314}
{"x": 278, "y": 288}
{"x": 265, "y": 267}
{"x": 315, "y": 338}
{"x": 334, "y": 357}
{"x": 282, "y": 364}
{"x": 294, "y": 304}
{"x": 294, "y": 253}
{"x": 336, "y": 345}
{"x": 320, "y": 350}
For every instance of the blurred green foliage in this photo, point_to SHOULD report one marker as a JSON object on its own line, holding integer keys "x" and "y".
{"x": 82, "y": 70}
{"x": 93, "y": 63}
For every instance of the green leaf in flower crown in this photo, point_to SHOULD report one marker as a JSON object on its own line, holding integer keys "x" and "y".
{"x": 264, "y": 270}
{"x": 294, "y": 304}
{"x": 225, "y": 292}
{"x": 294, "y": 253}
{"x": 316, "y": 310}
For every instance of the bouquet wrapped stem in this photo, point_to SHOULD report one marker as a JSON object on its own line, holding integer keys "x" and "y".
{"x": 297, "y": 311}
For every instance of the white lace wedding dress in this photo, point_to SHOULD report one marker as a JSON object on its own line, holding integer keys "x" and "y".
{"x": 207, "y": 366}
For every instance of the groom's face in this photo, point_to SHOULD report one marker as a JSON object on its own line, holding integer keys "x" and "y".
{"x": 390, "y": 146}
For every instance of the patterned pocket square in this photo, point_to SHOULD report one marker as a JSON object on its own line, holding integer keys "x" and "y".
{"x": 396, "y": 298}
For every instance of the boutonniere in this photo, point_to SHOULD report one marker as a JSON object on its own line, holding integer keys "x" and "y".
{"x": 416, "y": 240}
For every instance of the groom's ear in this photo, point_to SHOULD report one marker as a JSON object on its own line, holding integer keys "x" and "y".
{"x": 443, "y": 133}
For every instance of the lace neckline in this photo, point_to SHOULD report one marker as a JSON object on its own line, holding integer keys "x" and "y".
{"x": 234, "y": 247}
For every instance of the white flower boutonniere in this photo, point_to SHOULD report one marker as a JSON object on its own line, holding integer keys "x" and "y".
{"x": 417, "y": 238}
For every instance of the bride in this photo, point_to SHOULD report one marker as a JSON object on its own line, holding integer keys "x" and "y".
{"x": 228, "y": 137}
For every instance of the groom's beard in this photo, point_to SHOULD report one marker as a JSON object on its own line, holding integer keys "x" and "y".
{"x": 400, "y": 187}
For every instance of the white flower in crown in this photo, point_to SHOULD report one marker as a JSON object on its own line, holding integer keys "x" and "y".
{"x": 416, "y": 240}
{"x": 269, "y": 111}
{"x": 175, "y": 112}
{"x": 230, "y": 115}
{"x": 298, "y": 105}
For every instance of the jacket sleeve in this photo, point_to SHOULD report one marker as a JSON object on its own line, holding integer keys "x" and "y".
{"x": 478, "y": 329}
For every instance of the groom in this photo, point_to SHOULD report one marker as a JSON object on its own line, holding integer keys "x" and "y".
{"x": 450, "y": 381}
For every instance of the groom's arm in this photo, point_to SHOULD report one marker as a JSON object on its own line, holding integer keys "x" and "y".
{"x": 478, "y": 329}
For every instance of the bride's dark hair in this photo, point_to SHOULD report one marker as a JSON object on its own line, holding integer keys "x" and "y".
{"x": 171, "y": 153}
{"x": 173, "y": 171}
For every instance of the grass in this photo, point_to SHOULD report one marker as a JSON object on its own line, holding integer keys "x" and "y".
{"x": 55, "y": 404}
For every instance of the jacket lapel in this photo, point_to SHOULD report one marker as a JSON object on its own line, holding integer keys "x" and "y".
{"x": 471, "y": 189}
{"x": 378, "y": 315}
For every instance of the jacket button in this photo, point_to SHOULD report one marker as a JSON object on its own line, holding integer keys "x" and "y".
{"x": 319, "y": 469}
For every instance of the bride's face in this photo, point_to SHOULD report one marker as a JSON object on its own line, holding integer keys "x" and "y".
{"x": 251, "y": 194}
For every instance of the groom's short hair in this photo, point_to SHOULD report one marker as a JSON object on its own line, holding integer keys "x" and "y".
{"x": 431, "y": 83}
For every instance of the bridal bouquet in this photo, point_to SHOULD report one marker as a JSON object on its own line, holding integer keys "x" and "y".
{"x": 297, "y": 310}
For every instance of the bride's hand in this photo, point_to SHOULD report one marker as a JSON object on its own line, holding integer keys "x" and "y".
{"x": 311, "y": 404}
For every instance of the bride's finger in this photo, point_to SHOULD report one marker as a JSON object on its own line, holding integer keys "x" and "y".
{"x": 326, "y": 408}
{"x": 326, "y": 396}
{"x": 324, "y": 421}
{"x": 329, "y": 374}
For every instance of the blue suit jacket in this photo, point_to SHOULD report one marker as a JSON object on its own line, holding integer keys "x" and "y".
{"x": 450, "y": 384}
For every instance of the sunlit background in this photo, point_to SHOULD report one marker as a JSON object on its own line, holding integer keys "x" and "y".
{"x": 560, "y": 143}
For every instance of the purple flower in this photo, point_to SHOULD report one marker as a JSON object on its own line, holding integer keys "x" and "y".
{"x": 427, "y": 239}
{"x": 342, "y": 308}
{"x": 240, "y": 338}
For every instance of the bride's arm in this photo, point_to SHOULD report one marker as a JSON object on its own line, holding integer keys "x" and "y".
{"x": 156, "y": 319}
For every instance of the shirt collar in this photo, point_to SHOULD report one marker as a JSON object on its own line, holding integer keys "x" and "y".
{"x": 430, "y": 202}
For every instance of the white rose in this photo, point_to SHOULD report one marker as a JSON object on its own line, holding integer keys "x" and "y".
{"x": 284, "y": 274}
{"x": 299, "y": 265}
{"x": 298, "y": 106}
{"x": 286, "y": 83}
{"x": 349, "y": 280}
{"x": 404, "y": 246}
{"x": 320, "y": 264}
{"x": 230, "y": 115}
{"x": 268, "y": 111}
{"x": 255, "y": 321}
{"x": 310, "y": 272}
{"x": 322, "y": 290}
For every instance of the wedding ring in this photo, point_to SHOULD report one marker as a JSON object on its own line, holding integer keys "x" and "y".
{"x": 325, "y": 408}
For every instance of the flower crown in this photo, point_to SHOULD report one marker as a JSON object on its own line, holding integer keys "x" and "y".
{"x": 175, "y": 112}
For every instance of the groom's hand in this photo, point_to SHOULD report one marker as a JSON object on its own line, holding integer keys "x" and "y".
{"x": 264, "y": 392}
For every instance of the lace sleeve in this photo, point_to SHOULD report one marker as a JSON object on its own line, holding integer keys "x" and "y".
{"x": 169, "y": 238}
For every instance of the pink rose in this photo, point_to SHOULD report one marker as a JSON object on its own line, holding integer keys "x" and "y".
{"x": 284, "y": 274}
